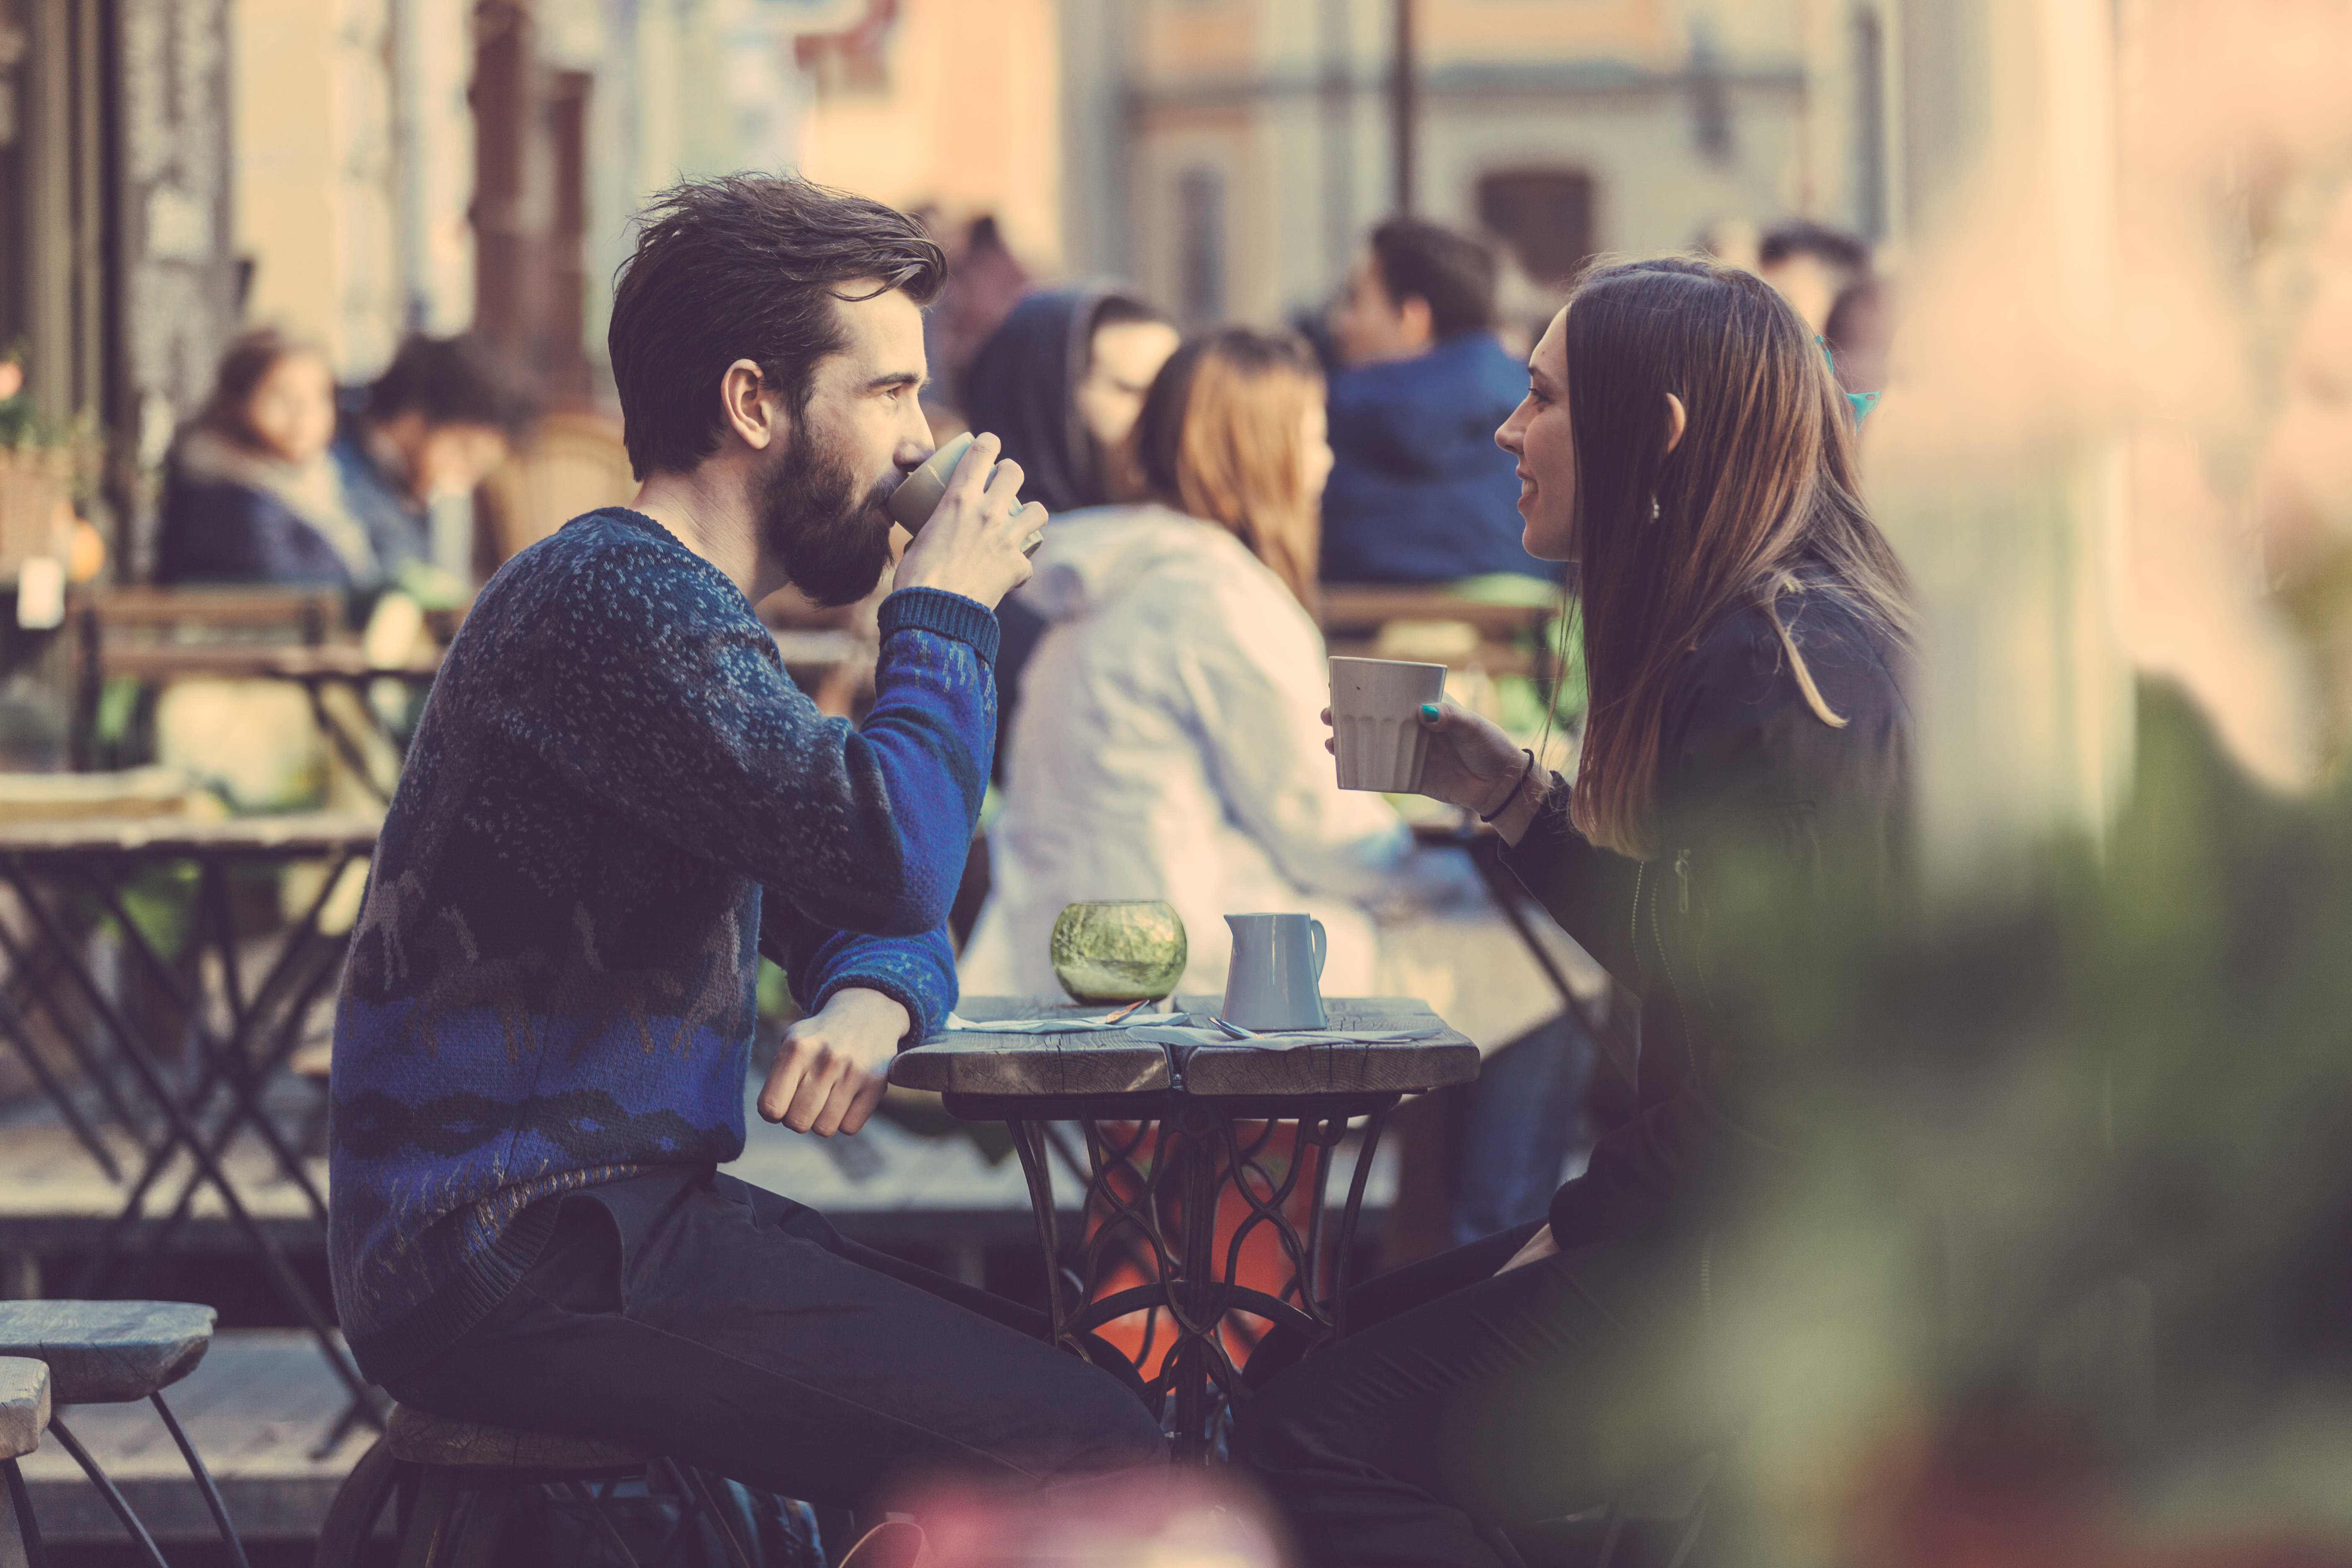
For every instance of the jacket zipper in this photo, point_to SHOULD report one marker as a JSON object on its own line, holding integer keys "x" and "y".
{"x": 1682, "y": 871}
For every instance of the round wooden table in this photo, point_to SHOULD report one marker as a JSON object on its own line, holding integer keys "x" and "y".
{"x": 1172, "y": 1136}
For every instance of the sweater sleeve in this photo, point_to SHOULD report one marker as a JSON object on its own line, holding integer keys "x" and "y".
{"x": 646, "y": 684}
{"x": 1587, "y": 891}
{"x": 916, "y": 971}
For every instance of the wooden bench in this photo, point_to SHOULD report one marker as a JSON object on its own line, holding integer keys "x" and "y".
{"x": 112, "y": 1353}
{"x": 1404, "y": 621}
{"x": 24, "y": 1416}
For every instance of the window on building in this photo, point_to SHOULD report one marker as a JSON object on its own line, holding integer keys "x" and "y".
{"x": 1545, "y": 216}
{"x": 1200, "y": 240}
{"x": 1870, "y": 122}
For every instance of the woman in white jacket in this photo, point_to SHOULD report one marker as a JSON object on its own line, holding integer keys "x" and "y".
{"x": 1166, "y": 745}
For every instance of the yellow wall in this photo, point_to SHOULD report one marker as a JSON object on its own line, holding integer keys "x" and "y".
{"x": 312, "y": 132}
{"x": 1643, "y": 32}
{"x": 970, "y": 119}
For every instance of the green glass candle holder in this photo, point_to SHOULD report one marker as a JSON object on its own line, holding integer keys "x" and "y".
{"x": 1123, "y": 950}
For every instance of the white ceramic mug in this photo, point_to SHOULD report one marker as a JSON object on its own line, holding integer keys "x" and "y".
{"x": 1376, "y": 719}
{"x": 1277, "y": 965}
{"x": 919, "y": 493}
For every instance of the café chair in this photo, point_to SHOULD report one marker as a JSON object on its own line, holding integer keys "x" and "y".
{"x": 24, "y": 1415}
{"x": 433, "y": 1464}
{"x": 113, "y": 1352}
{"x": 430, "y": 1466}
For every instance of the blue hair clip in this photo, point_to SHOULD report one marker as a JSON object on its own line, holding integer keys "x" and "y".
{"x": 1861, "y": 403}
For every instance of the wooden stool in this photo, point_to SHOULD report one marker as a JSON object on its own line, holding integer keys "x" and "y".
{"x": 112, "y": 1353}
{"x": 24, "y": 1415}
{"x": 430, "y": 1462}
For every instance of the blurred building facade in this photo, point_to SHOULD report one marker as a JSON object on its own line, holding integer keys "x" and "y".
{"x": 1229, "y": 154}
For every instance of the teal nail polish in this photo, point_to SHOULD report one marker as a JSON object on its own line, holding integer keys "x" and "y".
{"x": 1429, "y": 711}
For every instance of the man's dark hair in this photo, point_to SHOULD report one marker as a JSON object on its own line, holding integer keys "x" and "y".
{"x": 745, "y": 267}
{"x": 1835, "y": 247}
{"x": 1452, "y": 272}
{"x": 453, "y": 381}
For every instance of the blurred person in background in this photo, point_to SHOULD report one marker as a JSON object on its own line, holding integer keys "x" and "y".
{"x": 1062, "y": 382}
{"x": 984, "y": 281}
{"x": 249, "y": 494}
{"x": 1812, "y": 266}
{"x": 1747, "y": 772}
{"x": 1418, "y": 492}
{"x": 444, "y": 414}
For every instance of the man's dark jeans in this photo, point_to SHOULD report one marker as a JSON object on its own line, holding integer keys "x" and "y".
{"x": 695, "y": 1316}
{"x": 1459, "y": 1400}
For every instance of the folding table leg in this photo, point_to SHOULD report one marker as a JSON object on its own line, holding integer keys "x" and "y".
{"x": 105, "y": 1489}
{"x": 247, "y": 1095}
{"x": 12, "y": 1029}
{"x": 203, "y": 1480}
{"x": 20, "y": 1534}
{"x": 20, "y": 963}
{"x": 290, "y": 1285}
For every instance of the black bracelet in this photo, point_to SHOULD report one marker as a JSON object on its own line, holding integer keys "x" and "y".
{"x": 1525, "y": 774}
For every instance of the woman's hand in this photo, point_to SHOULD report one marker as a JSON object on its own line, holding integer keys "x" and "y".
{"x": 1472, "y": 762}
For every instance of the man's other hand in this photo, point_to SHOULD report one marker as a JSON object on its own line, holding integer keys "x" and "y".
{"x": 834, "y": 1065}
{"x": 972, "y": 544}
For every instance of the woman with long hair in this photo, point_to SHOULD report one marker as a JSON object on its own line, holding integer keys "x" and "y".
{"x": 1165, "y": 745}
{"x": 1746, "y": 769}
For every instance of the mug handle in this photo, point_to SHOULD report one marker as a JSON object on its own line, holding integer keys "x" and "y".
{"x": 1319, "y": 943}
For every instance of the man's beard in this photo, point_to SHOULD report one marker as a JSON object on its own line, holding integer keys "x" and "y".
{"x": 833, "y": 538}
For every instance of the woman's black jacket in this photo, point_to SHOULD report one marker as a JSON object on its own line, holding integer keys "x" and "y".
{"x": 1766, "y": 816}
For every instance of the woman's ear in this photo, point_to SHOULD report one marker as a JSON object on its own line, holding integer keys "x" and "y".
{"x": 1678, "y": 421}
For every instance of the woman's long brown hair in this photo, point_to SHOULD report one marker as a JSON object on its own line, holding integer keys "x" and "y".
{"x": 1220, "y": 439}
{"x": 1760, "y": 499}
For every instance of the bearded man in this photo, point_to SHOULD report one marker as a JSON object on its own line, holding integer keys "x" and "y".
{"x": 615, "y": 803}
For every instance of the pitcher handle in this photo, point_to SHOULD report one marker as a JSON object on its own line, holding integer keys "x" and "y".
{"x": 1320, "y": 944}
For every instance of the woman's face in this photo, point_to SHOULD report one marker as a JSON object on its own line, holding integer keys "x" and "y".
{"x": 1314, "y": 450}
{"x": 291, "y": 411}
{"x": 1120, "y": 365}
{"x": 1538, "y": 435}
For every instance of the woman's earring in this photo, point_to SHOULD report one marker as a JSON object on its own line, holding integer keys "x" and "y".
{"x": 1653, "y": 508}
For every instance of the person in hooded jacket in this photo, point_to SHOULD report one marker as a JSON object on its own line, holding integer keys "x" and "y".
{"x": 1061, "y": 383}
{"x": 1418, "y": 492}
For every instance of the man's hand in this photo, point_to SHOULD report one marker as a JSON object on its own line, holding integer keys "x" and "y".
{"x": 834, "y": 1065}
{"x": 972, "y": 543}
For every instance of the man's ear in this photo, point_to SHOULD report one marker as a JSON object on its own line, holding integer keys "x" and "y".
{"x": 1416, "y": 323}
{"x": 753, "y": 410}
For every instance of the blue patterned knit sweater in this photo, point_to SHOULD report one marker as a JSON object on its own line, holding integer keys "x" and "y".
{"x": 616, "y": 801}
